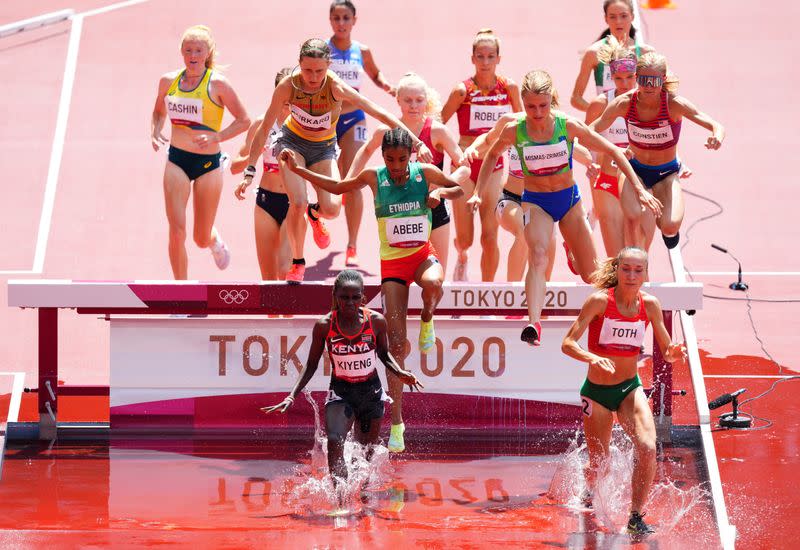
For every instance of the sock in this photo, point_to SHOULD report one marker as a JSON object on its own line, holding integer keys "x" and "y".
{"x": 671, "y": 242}
{"x": 312, "y": 207}
{"x": 298, "y": 261}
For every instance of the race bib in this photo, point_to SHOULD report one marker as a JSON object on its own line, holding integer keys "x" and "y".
{"x": 620, "y": 334}
{"x": 651, "y": 136}
{"x": 543, "y": 160}
{"x": 311, "y": 122}
{"x": 617, "y": 133}
{"x": 186, "y": 111}
{"x": 407, "y": 232}
{"x": 484, "y": 117}
{"x": 514, "y": 164}
{"x": 354, "y": 365}
{"x": 269, "y": 156}
{"x": 608, "y": 82}
{"x": 348, "y": 71}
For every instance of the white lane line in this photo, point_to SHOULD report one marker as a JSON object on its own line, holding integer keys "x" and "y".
{"x": 755, "y": 376}
{"x": 750, "y": 273}
{"x": 112, "y": 7}
{"x": 57, "y": 151}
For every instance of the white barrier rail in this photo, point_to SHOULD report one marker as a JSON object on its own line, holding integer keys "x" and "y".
{"x": 35, "y": 22}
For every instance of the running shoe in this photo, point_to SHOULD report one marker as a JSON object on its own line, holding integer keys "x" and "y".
{"x": 396, "y": 442}
{"x": 221, "y": 254}
{"x": 637, "y": 526}
{"x": 532, "y": 334}
{"x": 586, "y": 498}
{"x": 350, "y": 257}
{"x": 570, "y": 265}
{"x": 296, "y": 274}
{"x": 427, "y": 336}
{"x": 460, "y": 271}
{"x": 321, "y": 234}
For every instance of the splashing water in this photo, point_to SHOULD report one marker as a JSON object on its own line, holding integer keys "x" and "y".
{"x": 612, "y": 496}
{"x": 317, "y": 494}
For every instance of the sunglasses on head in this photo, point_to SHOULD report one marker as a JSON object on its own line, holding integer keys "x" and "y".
{"x": 649, "y": 81}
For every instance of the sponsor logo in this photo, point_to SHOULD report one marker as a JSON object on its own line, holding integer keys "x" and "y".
{"x": 207, "y": 165}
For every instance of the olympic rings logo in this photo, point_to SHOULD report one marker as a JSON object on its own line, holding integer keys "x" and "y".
{"x": 234, "y": 296}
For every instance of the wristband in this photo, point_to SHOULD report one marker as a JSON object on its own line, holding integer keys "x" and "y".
{"x": 250, "y": 171}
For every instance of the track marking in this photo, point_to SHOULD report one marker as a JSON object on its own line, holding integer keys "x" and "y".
{"x": 750, "y": 273}
{"x": 59, "y": 135}
{"x": 753, "y": 376}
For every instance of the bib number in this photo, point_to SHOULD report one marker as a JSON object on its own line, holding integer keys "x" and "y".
{"x": 484, "y": 117}
{"x": 407, "y": 232}
{"x": 311, "y": 122}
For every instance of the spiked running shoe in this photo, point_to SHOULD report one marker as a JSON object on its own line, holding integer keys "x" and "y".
{"x": 637, "y": 526}
{"x": 427, "y": 336}
{"x": 396, "y": 442}
{"x": 532, "y": 334}
{"x": 296, "y": 274}
{"x": 321, "y": 234}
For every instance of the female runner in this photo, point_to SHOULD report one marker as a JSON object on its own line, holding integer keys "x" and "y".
{"x": 355, "y": 338}
{"x": 479, "y": 102}
{"x": 653, "y": 115}
{"x": 419, "y": 108}
{"x": 350, "y": 60}
{"x": 272, "y": 203}
{"x": 315, "y": 96}
{"x": 194, "y": 99}
{"x": 404, "y": 196}
{"x": 543, "y": 139}
{"x": 617, "y": 317}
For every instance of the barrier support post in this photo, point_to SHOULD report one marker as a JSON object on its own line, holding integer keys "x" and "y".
{"x": 48, "y": 372}
{"x": 662, "y": 387}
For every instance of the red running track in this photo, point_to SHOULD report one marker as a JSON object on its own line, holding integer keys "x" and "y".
{"x": 108, "y": 219}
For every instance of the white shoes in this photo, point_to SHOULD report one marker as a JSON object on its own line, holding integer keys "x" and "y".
{"x": 221, "y": 254}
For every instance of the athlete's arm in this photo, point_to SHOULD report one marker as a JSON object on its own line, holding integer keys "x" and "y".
{"x": 445, "y": 186}
{"x": 345, "y": 92}
{"x": 336, "y": 187}
{"x": 388, "y": 360}
{"x": 238, "y": 164}
{"x": 504, "y": 141}
{"x": 455, "y": 99}
{"x": 594, "y": 306}
{"x": 514, "y": 96}
{"x": 686, "y": 108}
{"x": 588, "y": 63}
{"x": 618, "y": 107}
{"x": 318, "y": 335}
{"x": 671, "y": 352}
{"x": 227, "y": 97}
{"x": 157, "y": 139}
{"x": 280, "y": 97}
{"x": 374, "y": 73}
{"x": 596, "y": 108}
{"x": 596, "y": 142}
{"x": 444, "y": 138}
{"x": 365, "y": 151}
{"x": 478, "y": 148}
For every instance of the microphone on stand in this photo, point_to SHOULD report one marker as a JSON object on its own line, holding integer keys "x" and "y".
{"x": 738, "y": 285}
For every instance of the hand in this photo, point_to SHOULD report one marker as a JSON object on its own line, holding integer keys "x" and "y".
{"x": 470, "y": 156}
{"x": 280, "y": 407}
{"x": 434, "y": 199}
{"x": 592, "y": 171}
{"x": 205, "y": 140}
{"x": 629, "y": 154}
{"x": 410, "y": 380}
{"x": 424, "y": 154}
{"x": 685, "y": 171}
{"x": 158, "y": 140}
{"x": 474, "y": 202}
{"x": 651, "y": 203}
{"x": 389, "y": 89}
{"x": 675, "y": 352}
{"x": 288, "y": 157}
{"x": 714, "y": 143}
{"x": 241, "y": 188}
{"x": 604, "y": 363}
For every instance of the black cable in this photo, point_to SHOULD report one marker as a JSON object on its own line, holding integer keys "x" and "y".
{"x": 749, "y": 301}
